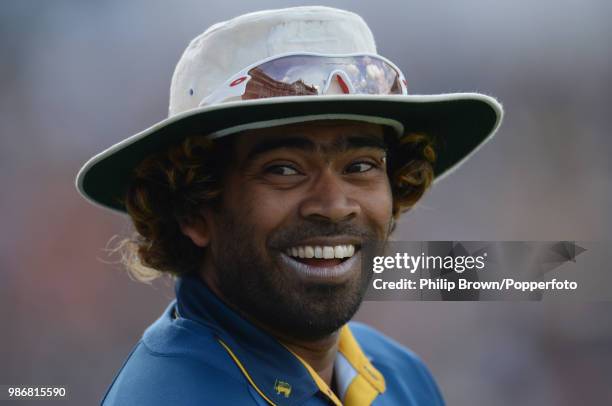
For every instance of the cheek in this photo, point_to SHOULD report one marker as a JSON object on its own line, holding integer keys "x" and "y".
{"x": 377, "y": 204}
{"x": 264, "y": 209}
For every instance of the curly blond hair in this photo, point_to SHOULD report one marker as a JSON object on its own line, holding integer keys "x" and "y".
{"x": 168, "y": 188}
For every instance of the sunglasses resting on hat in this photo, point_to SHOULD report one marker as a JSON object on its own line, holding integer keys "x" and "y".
{"x": 311, "y": 74}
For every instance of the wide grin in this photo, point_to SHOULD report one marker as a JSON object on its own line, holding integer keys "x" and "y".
{"x": 323, "y": 263}
{"x": 326, "y": 252}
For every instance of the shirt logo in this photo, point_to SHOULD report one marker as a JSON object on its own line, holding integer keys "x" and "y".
{"x": 282, "y": 388}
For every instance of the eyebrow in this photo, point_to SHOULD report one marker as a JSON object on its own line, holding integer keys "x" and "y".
{"x": 342, "y": 144}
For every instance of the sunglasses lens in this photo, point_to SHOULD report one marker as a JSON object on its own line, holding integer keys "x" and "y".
{"x": 310, "y": 75}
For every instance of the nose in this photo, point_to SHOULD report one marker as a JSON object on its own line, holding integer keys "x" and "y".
{"x": 328, "y": 200}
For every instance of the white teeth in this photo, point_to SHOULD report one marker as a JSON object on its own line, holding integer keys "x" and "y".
{"x": 325, "y": 252}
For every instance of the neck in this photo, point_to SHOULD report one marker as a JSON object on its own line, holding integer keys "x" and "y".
{"x": 318, "y": 354}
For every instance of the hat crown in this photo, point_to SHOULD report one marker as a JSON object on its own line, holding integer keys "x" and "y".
{"x": 228, "y": 47}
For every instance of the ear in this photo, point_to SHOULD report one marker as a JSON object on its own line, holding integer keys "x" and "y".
{"x": 197, "y": 230}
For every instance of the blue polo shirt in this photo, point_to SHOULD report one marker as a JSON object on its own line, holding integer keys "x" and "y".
{"x": 201, "y": 352}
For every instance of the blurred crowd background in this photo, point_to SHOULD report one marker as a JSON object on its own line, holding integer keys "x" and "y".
{"x": 78, "y": 76}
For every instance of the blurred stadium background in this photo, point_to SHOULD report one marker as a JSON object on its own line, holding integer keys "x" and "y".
{"x": 78, "y": 76}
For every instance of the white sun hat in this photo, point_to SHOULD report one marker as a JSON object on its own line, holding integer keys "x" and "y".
{"x": 208, "y": 93}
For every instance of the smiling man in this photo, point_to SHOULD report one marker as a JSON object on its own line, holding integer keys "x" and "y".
{"x": 290, "y": 144}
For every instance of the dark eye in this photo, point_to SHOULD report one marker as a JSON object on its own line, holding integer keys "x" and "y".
{"x": 358, "y": 167}
{"x": 282, "y": 170}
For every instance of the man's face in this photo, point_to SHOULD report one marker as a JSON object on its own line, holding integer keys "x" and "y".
{"x": 298, "y": 202}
